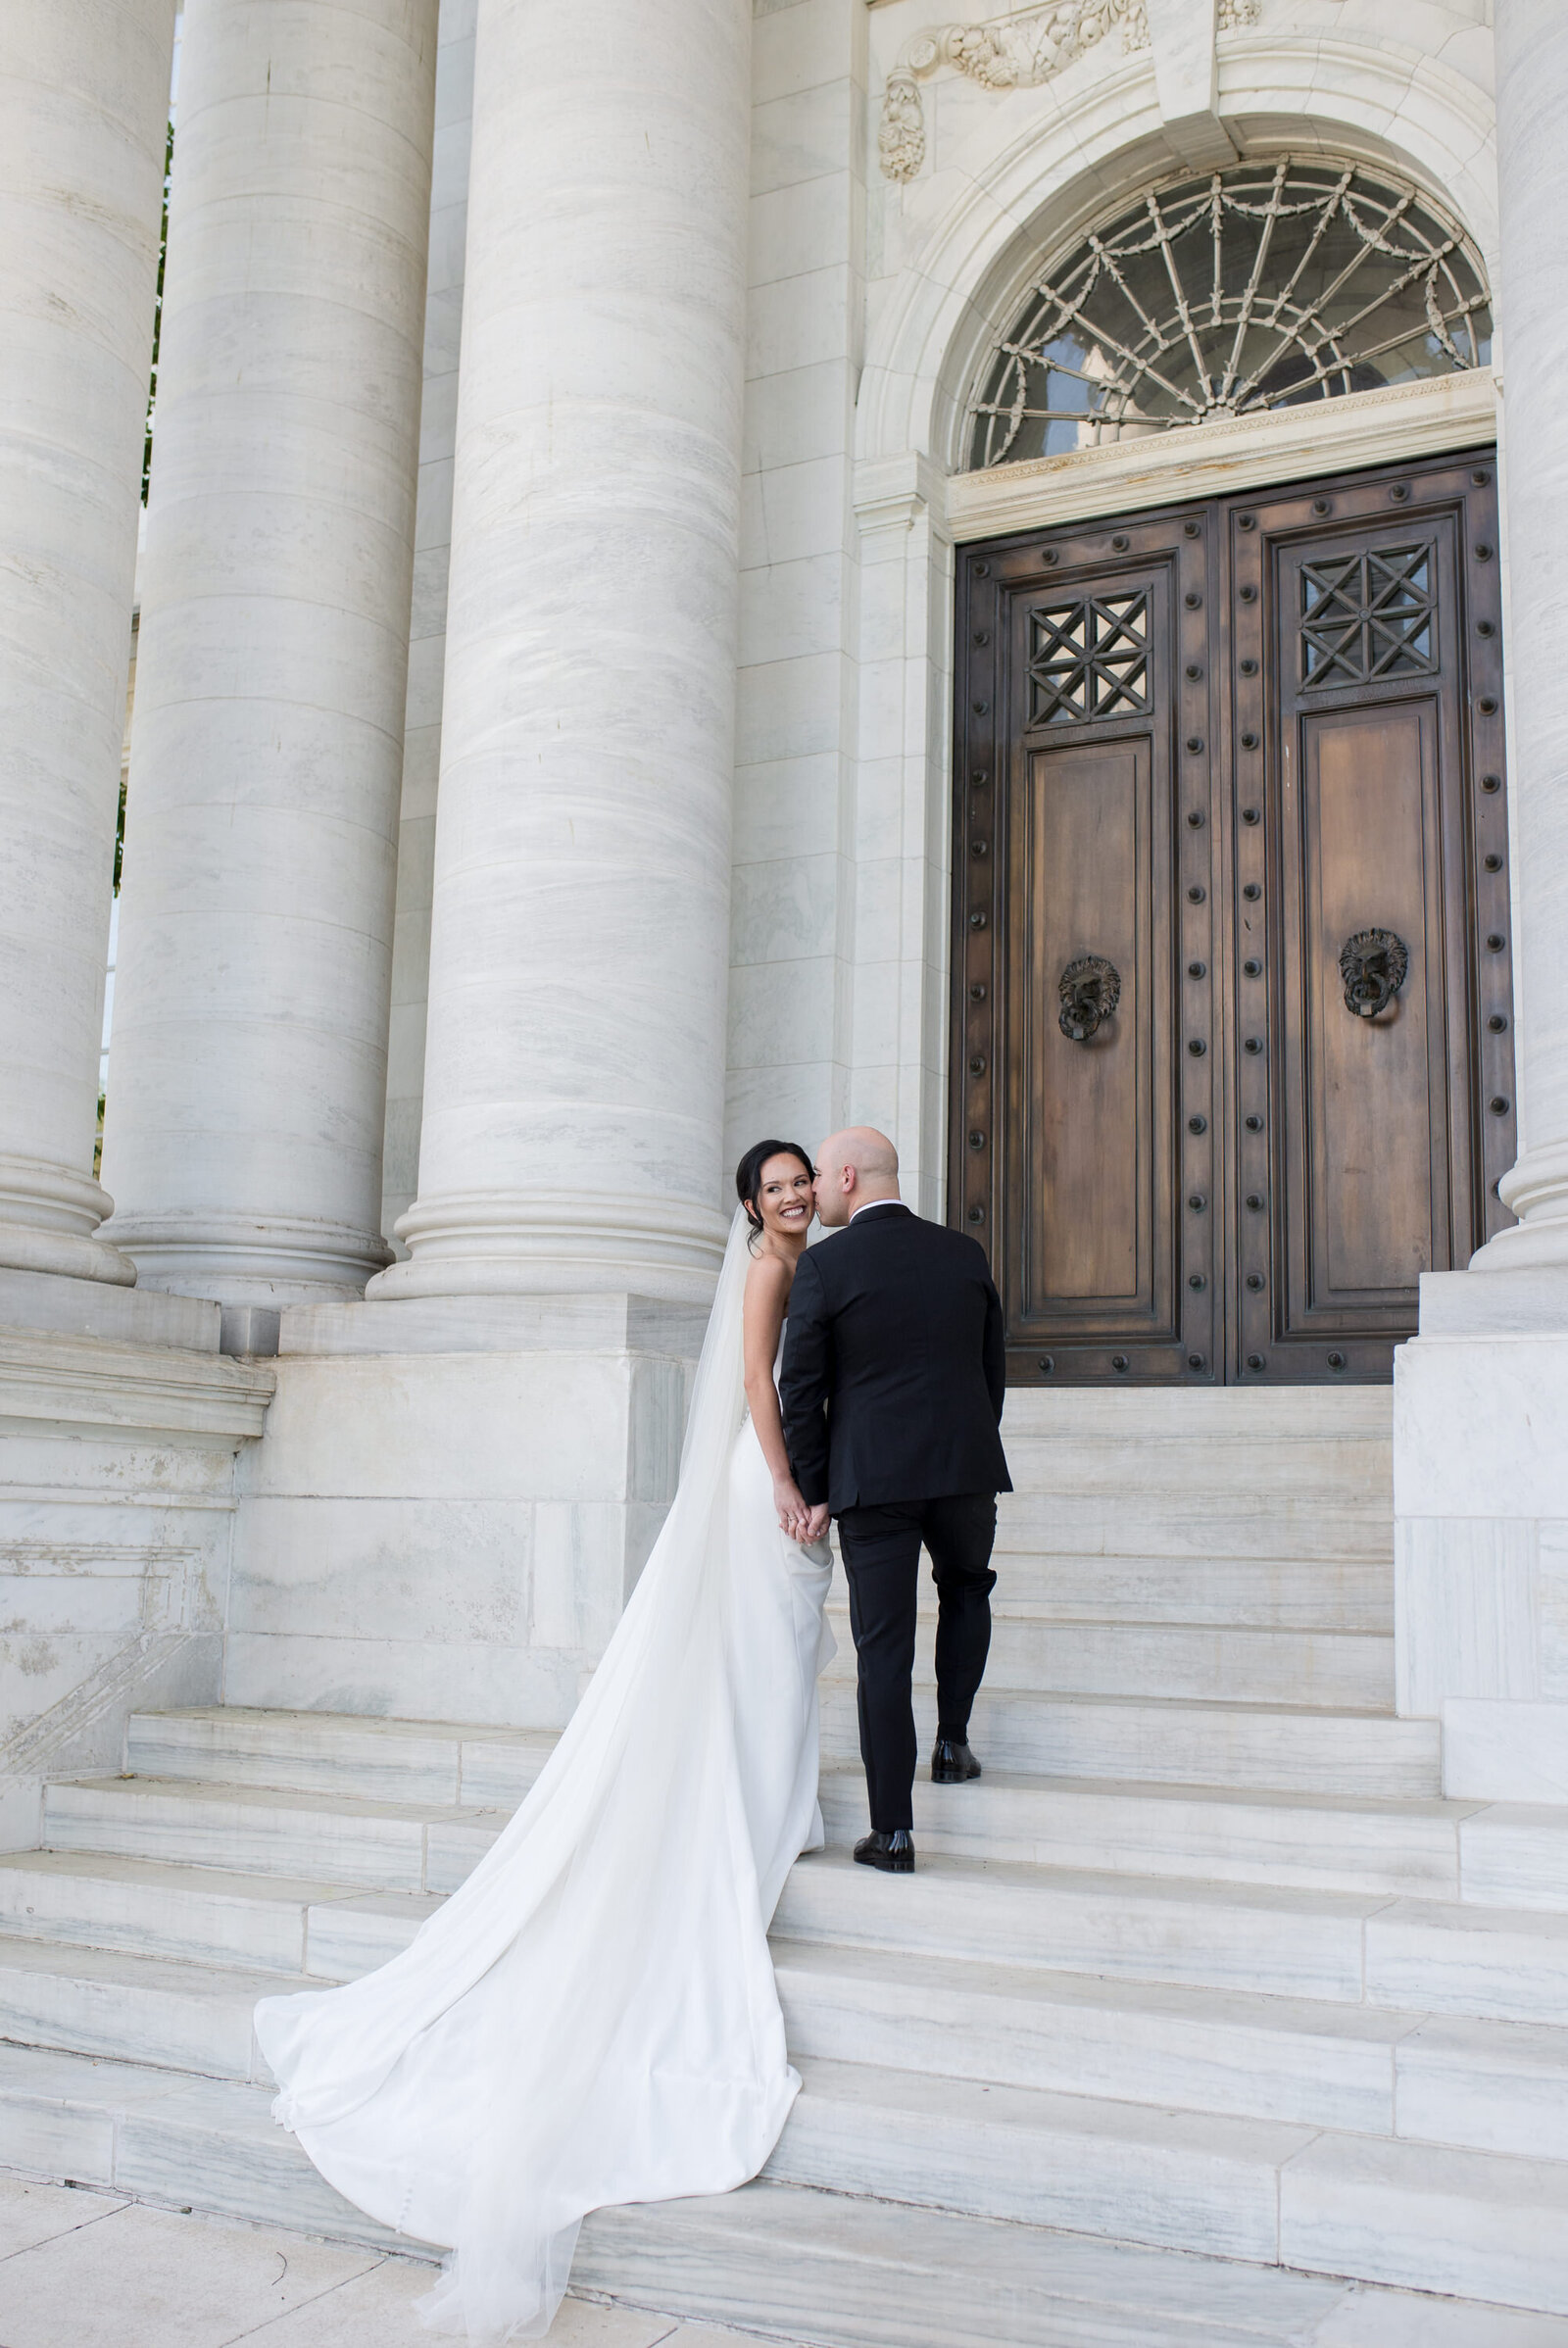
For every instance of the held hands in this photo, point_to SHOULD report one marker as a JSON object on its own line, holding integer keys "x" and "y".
{"x": 794, "y": 1515}
{"x": 818, "y": 1520}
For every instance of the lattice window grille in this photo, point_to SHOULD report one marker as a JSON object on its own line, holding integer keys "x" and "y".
{"x": 1368, "y": 616}
{"x": 1257, "y": 287}
{"x": 1089, "y": 659}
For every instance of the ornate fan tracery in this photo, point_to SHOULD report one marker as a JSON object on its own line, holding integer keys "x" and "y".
{"x": 1262, "y": 286}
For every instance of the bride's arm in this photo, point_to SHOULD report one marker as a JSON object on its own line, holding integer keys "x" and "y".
{"x": 768, "y": 1288}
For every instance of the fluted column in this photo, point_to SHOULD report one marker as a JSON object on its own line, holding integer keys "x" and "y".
{"x": 575, "y": 1055}
{"x": 249, "y": 1052}
{"x": 84, "y": 114}
{"x": 1532, "y": 78}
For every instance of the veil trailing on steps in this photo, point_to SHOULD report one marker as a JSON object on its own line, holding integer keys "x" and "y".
{"x": 592, "y": 2017}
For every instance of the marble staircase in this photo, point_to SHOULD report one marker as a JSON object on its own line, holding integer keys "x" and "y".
{"x": 1205, "y": 1964}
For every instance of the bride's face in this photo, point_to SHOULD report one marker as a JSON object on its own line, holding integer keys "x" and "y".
{"x": 784, "y": 1196}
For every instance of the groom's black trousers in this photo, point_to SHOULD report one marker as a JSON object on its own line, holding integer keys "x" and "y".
{"x": 881, "y": 1550}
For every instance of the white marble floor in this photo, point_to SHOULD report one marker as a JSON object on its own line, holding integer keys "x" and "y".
{"x": 86, "y": 2269}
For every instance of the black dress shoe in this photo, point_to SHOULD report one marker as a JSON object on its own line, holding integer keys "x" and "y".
{"x": 951, "y": 1762}
{"x": 893, "y": 1853}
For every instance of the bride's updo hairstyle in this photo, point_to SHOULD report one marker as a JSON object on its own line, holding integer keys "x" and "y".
{"x": 749, "y": 1178}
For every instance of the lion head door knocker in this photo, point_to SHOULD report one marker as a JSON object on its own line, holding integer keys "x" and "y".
{"x": 1090, "y": 989}
{"x": 1372, "y": 964}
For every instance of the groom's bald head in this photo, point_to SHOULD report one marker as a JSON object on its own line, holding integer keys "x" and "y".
{"x": 853, "y": 1167}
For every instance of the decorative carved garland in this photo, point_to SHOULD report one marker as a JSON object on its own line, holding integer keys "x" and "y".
{"x": 1027, "y": 50}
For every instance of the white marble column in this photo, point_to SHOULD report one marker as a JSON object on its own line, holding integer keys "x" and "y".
{"x": 1531, "y": 71}
{"x": 83, "y": 114}
{"x": 248, "y": 1063}
{"x": 574, "y": 1059}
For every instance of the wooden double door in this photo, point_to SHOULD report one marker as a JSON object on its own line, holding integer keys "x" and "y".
{"x": 1232, "y": 1059}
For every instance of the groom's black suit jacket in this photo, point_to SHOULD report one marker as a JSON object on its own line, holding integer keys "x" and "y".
{"x": 893, "y": 1369}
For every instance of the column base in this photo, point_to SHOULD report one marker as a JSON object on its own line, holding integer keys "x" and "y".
{"x": 236, "y": 1260}
{"x": 490, "y": 1244}
{"x": 49, "y": 1218}
{"x": 1536, "y": 1190}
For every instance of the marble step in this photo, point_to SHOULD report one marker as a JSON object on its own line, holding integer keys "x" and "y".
{"x": 1499, "y": 1855}
{"x": 833, "y": 2267}
{"x": 1038, "y": 1653}
{"x": 1485, "y": 2086}
{"x": 1270, "y": 1417}
{"x": 1272, "y": 1591}
{"x": 1232, "y": 1834}
{"x": 857, "y": 2273}
{"x": 1493, "y": 2086}
{"x": 1280, "y": 1746}
{"x": 163, "y": 2011}
{"x": 1297, "y": 1473}
{"x": 1480, "y": 2224}
{"x": 395, "y": 1846}
{"x": 160, "y": 2136}
{"x": 445, "y": 1764}
{"x": 1413, "y": 1955}
{"x": 1139, "y": 1522}
{"x": 204, "y": 1914}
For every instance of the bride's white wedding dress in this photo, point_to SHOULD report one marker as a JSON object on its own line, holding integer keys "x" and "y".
{"x": 592, "y": 2017}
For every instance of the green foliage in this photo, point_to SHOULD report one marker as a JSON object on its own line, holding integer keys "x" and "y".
{"x": 151, "y": 381}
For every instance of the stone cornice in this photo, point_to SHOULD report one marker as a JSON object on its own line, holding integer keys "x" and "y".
{"x": 88, "y": 1383}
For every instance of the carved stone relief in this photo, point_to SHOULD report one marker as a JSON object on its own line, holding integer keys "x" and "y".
{"x": 1020, "y": 54}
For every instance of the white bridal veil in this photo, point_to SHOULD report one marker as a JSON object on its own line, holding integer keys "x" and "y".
{"x": 592, "y": 2018}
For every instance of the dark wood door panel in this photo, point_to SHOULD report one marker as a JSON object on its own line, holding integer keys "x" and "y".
{"x": 1092, "y": 1171}
{"x": 1365, "y": 1198}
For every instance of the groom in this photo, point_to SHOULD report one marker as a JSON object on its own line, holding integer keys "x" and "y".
{"x": 892, "y": 1388}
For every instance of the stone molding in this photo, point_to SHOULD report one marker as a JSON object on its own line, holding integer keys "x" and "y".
{"x": 1236, "y": 452}
{"x": 48, "y": 1215}
{"x": 1020, "y": 53}
{"x": 88, "y": 1383}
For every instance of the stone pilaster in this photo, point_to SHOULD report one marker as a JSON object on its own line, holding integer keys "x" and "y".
{"x": 83, "y": 114}
{"x": 1532, "y": 58}
{"x": 575, "y": 1048}
{"x": 1481, "y": 1396}
{"x": 249, "y": 1052}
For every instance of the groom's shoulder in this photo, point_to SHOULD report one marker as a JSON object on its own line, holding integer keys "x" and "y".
{"x": 909, "y": 1231}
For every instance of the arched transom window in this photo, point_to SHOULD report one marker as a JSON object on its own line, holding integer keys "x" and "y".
{"x": 1262, "y": 286}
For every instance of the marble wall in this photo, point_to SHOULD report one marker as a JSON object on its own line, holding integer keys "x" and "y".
{"x": 117, "y": 1506}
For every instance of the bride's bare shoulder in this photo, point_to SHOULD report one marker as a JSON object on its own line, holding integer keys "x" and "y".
{"x": 768, "y": 1281}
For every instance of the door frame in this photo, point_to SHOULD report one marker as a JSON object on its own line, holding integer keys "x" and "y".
{"x": 981, "y": 1111}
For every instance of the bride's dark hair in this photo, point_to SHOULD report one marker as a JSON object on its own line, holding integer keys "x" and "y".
{"x": 749, "y": 1177}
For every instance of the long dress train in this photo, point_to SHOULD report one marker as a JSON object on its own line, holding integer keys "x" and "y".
{"x": 592, "y": 2017}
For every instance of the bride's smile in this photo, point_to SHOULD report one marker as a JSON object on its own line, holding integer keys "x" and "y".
{"x": 784, "y": 1198}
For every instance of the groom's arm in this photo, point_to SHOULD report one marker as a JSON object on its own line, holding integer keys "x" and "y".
{"x": 803, "y": 1380}
{"x": 995, "y": 1351}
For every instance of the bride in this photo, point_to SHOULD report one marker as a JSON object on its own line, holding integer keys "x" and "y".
{"x": 592, "y": 2017}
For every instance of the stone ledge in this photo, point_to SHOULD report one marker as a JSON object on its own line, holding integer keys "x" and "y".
{"x": 1530, "y": 1303}
{"x": 162, "y": 1390}
{"x": 50, "y": 1302}
{"x": 611, "y": 1322}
